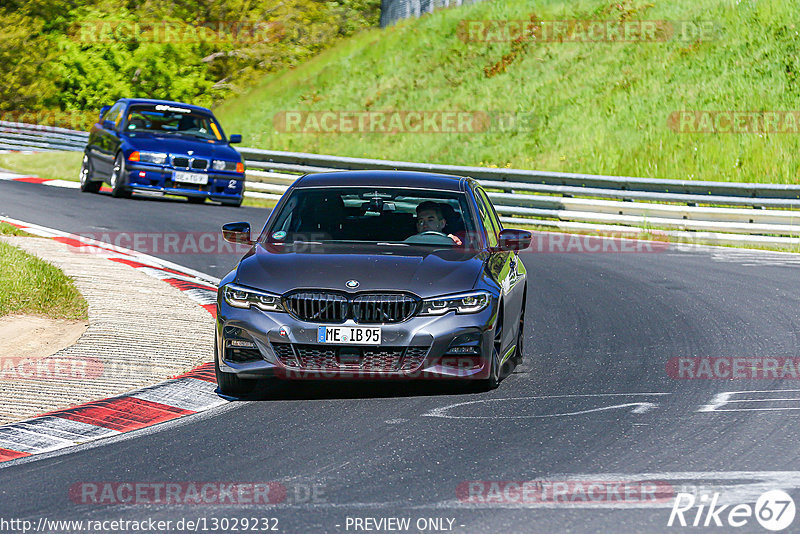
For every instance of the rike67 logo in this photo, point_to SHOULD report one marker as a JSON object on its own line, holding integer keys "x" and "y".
{"x": 774, "y": 510}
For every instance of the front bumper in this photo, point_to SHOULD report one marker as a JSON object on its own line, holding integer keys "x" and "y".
{"x": 159, "y": 179}
{"x": 421, "y": 347}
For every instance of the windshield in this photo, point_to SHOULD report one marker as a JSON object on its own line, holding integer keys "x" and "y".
{"x": 172, "y": 120}
{"x": 375, "y": 215}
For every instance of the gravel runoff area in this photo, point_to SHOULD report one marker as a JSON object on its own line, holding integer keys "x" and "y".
{"x": 141, "y": 331}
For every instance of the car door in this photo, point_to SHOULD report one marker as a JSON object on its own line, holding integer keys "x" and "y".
{"x": 107, "y": 140}
{"x": 502, "y": 267}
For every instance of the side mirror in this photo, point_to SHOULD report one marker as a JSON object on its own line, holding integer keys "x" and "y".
{"x": 235, "y": 138}
{"x": 109, "y": 125}
{"x": 510, "y": 239}
{"x": 238, "y": 232}
{"x": 103, "y": 111}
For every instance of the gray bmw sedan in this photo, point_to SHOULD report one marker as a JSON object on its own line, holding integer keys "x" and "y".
{"x": 374, "y": 274}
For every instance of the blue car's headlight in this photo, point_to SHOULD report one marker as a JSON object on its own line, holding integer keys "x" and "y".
{"x": 472, "y": 302}
{"x": 222, "y": 165}
{"x": 241, "y": 297}
{"x": 158, "y": 158}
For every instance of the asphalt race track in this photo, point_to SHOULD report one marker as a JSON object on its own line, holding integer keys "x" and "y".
{"x": 593, "y": 402}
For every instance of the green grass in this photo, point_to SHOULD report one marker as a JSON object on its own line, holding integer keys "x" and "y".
{"x": 51, "y": 165}
{"x": 8, "y": 229}
{"x": 599, "y": 108}
{"x": 31, "y": 286}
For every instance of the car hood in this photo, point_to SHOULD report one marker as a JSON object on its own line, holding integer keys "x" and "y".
{"x": 424, "y": 271}
{"x": 177, "y": 144}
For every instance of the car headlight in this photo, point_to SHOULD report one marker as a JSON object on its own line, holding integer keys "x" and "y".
{"x": 240, "y": 297}
{"x": 157, "y": 158}
{"x": 464, "y": 303}
{"x": 222, "y": 165}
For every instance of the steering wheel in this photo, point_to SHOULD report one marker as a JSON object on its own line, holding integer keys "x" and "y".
{"x": 429, "y": 237}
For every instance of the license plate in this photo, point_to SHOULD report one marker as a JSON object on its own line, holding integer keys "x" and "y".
{"x": 190, "y": 177}
{"x": 356, "y": 335}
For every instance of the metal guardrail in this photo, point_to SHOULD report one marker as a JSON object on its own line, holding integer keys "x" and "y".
{"x": 569, "y": 201}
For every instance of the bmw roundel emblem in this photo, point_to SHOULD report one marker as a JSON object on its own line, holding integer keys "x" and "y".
{"x": 352, "y": 284}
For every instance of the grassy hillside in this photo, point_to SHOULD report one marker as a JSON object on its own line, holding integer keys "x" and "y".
{"x": 597, "y": 107}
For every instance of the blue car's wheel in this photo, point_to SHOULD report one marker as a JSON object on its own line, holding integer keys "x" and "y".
{"x": 119, "y": 189}
{"x": 87, "y": 173}
{"x": 235, "y": 203}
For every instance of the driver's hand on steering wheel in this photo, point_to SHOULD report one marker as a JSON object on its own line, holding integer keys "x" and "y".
{"x": 455, "y": 239}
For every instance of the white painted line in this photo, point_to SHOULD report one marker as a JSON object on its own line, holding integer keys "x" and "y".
{"x": 721, "y": 399}
{"x": 184, "y": 393}
{"x": 13, "y": 176}
{"x": 641, "y": 407}
{"x": 66, "y": 184}
{"x": 201, "y": 296}
{"x": 76, "y": 431}
{"x": 17, "y": 439}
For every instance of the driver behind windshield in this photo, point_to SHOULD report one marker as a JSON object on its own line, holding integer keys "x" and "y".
{"x": 430, "y": 218}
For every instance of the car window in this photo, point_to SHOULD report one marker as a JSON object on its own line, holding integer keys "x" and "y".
{"x": 374, "y": 214}
{"x": 172, "y": 120}
{"x": 485, "y": 214}
{"x": 496, "y": 224}
{"x": 114, "y": 114}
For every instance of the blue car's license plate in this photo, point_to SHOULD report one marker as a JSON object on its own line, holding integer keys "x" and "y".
{"x": 190, "y": 177}
{"x": 357, "y": 335}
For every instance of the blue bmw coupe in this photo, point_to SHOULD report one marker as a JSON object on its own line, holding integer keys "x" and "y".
{"x": 163, "y": 147}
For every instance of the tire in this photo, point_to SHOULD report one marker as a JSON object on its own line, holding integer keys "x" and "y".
{"x": 493, "y": 381}
{"x": 119, "y": 188}
{"x": 234, "y": 203}
{"x": 519, "y": 353}
{"x": 196, "y": 200}
{"x": 229, "y": 383}
{"x": 87, "y": 173}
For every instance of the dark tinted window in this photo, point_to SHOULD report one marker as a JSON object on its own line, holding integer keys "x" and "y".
{"x": 165, "y": 119}
{"x": 372, "y": 214}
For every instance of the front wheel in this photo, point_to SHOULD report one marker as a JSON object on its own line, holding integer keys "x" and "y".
{"x": 234, "y": 203}
{"x": 493, "y": 381}
{"x": 119, "y": 189}
{"x": 520, "y": 351}
{"x": 229, "y": 383}
{"x": 87, "y": 173}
